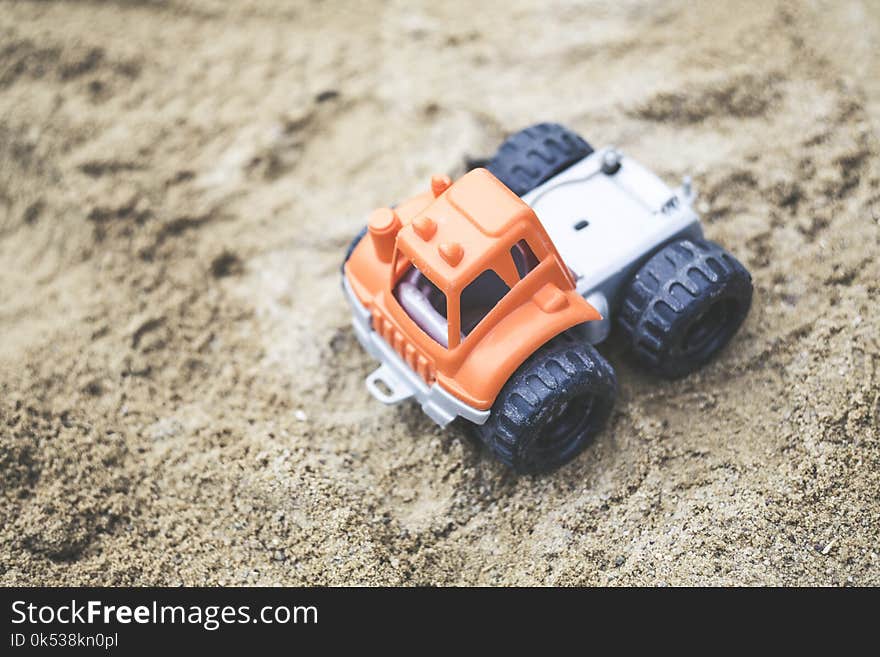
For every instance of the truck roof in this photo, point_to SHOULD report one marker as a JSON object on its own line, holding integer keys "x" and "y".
{"x": 453, "y": 239}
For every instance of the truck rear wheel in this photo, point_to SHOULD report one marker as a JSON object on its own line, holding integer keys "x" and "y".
{"x": 551, "y": 408}
{"x": 684, "y": 305}
{"x": 531, "y": 156}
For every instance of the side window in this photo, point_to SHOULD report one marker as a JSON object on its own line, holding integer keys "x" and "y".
{"x": 479, "y": 297}
{"x": 523, "y": 257}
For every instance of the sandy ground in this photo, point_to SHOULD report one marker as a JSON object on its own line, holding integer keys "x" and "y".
{"x": 181, "y": 396}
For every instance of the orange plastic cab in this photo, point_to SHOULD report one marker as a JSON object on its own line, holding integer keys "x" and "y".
{"x": 463, "y": 282}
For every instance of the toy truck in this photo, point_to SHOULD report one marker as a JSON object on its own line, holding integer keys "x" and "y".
{"x": 483, "y": 298}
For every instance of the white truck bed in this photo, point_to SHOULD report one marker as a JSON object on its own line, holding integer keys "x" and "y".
{"x": 605, "y": 225}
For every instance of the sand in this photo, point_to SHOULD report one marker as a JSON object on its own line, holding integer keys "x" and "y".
{"x": 182, "y": 395}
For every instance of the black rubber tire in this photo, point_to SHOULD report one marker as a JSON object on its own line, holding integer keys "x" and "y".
{"x": 352, "y": 246}
{"x": 532, "y": 156}
{"x": 551, "y": 408}
{"x": 683, "y": 306}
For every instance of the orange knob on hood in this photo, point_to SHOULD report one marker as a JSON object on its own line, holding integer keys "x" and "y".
{"x": 452, "y": 252}
{"x": 425, "y": 227}
{"x": 439, "y": 184}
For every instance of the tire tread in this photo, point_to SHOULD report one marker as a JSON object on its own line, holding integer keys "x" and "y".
{"x": 534, "y": 387}
{"x": 533, "y": 155}
{"x": 666, "y": 287}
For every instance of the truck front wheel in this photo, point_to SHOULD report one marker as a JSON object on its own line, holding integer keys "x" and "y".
{"x": 551, "y": 408}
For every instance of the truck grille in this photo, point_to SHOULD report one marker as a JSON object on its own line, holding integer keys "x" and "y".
{"x": 405, "y": 349}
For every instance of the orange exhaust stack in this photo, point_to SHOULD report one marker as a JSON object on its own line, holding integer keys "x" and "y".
{"x": 383, "y": 225}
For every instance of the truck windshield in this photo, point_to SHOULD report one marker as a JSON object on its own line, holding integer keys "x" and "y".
{"x": 480, "y": 296}
{"x": 425, "y": 303}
